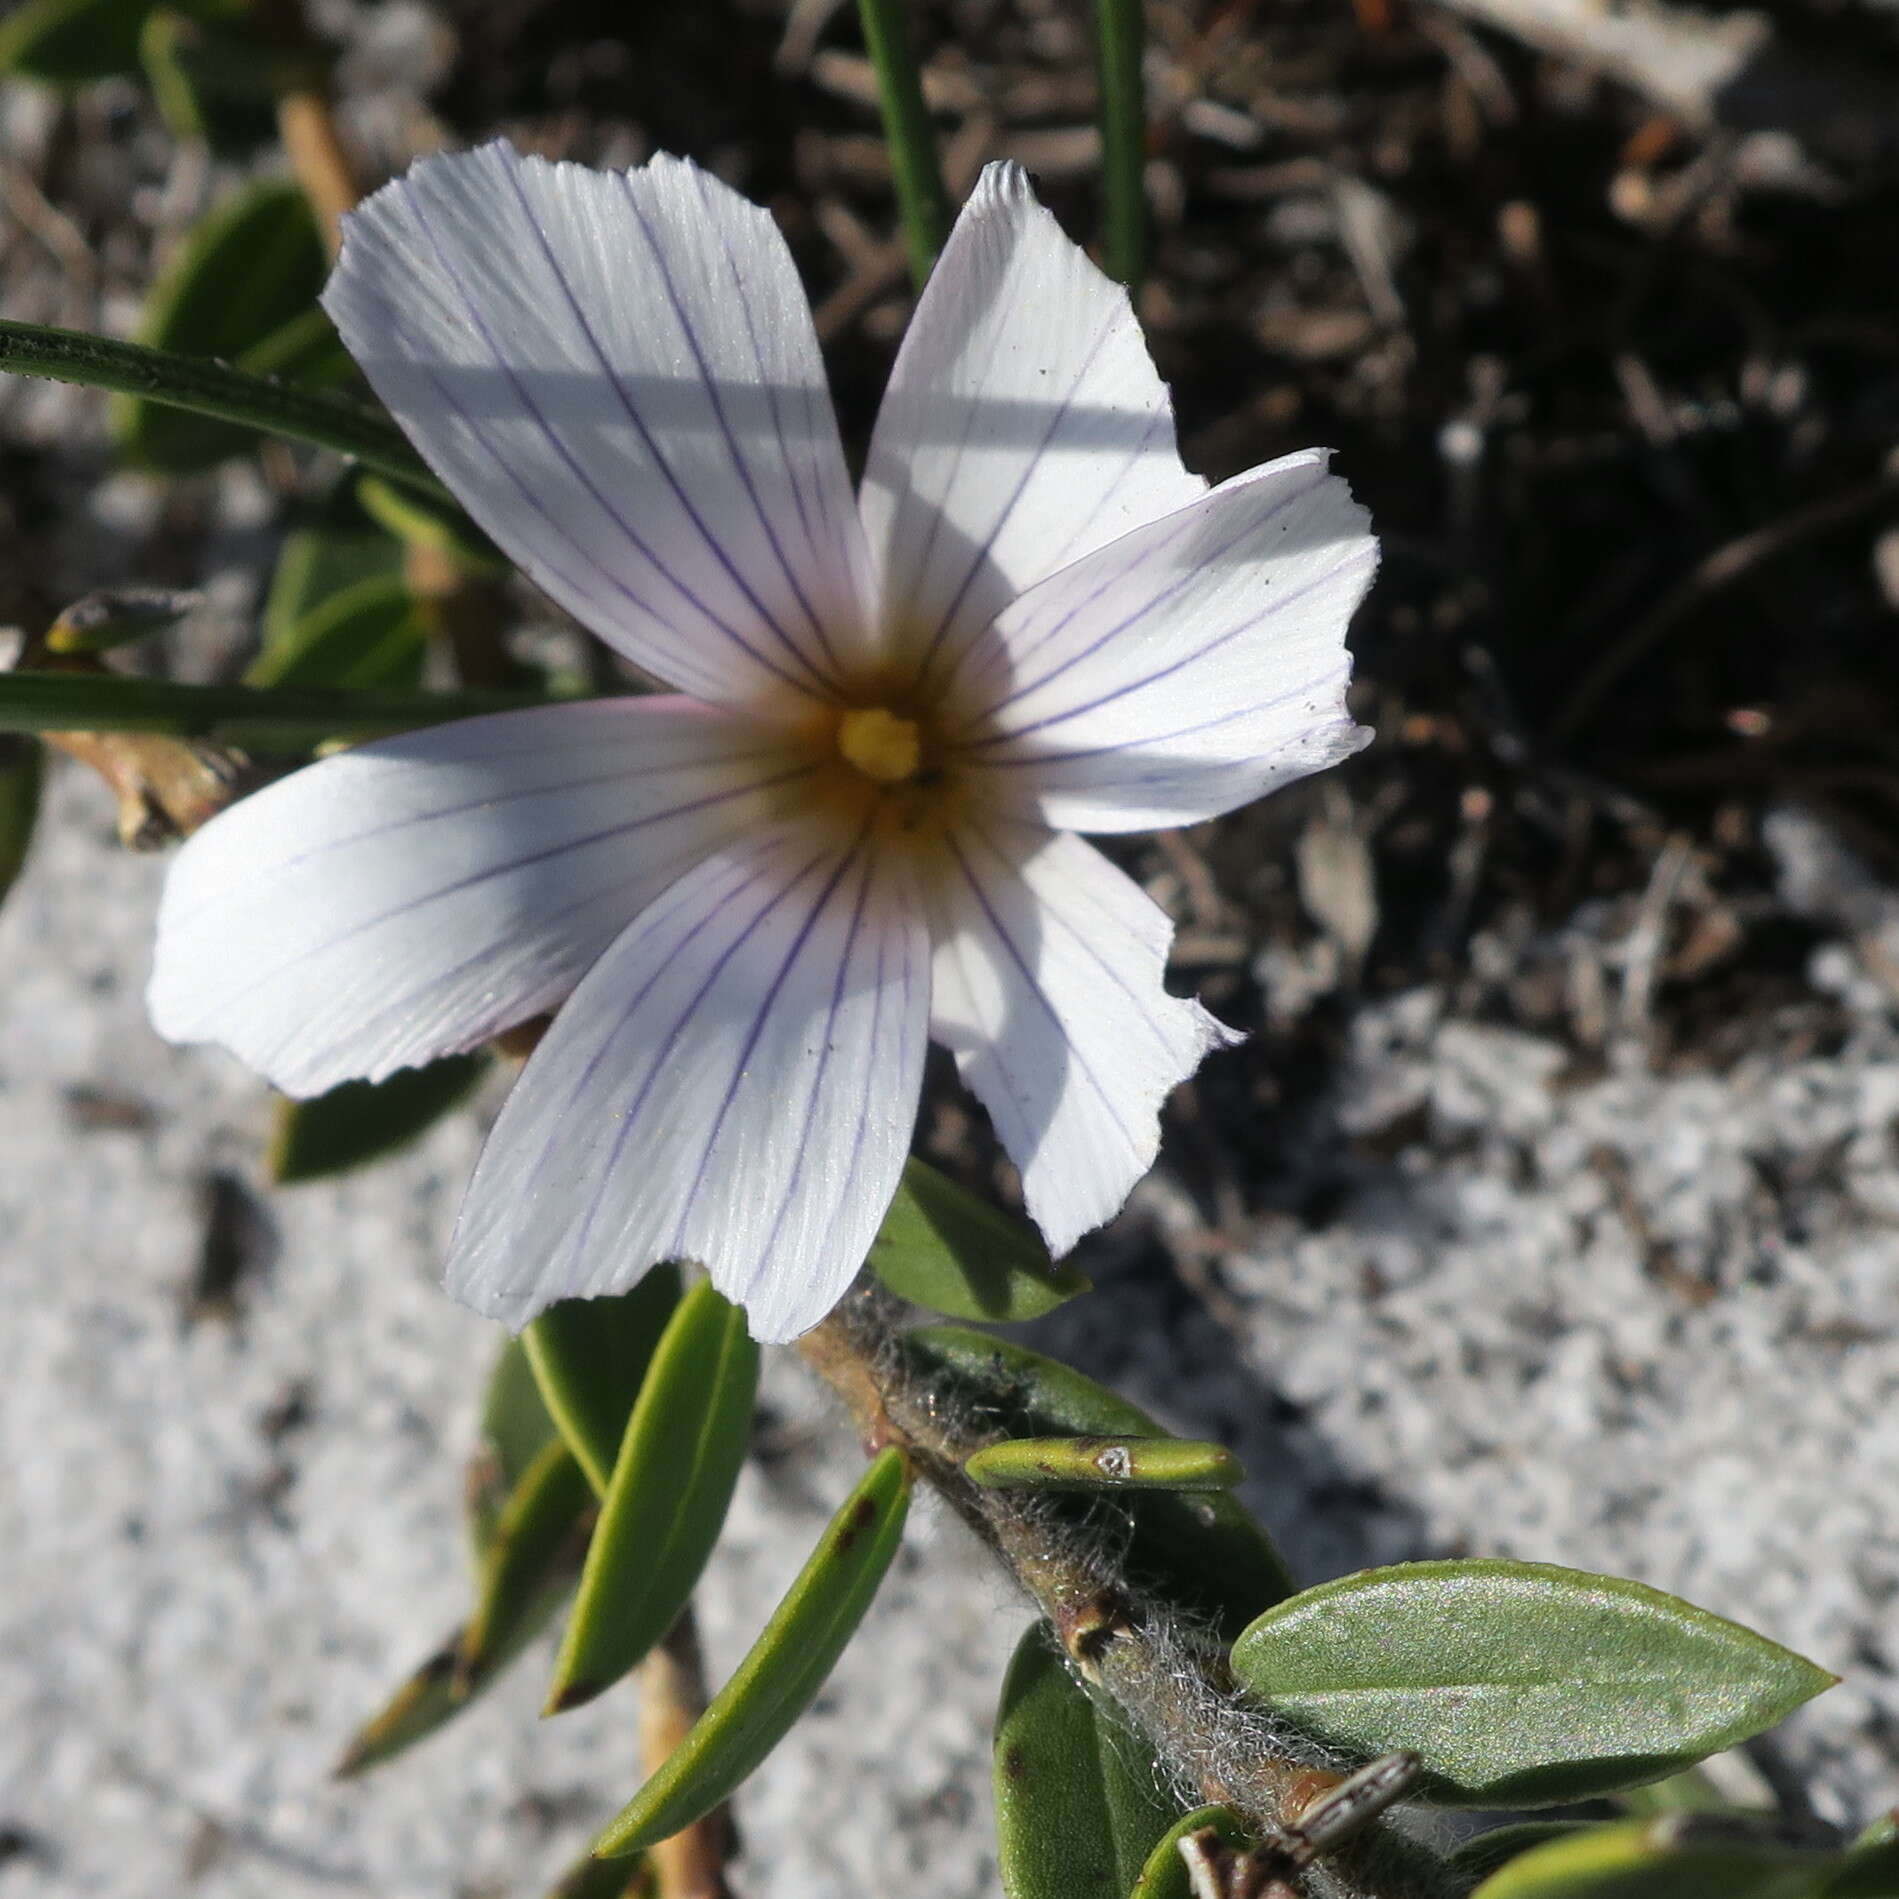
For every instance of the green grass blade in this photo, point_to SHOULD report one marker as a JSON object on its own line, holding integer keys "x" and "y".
{"x": 922, "y": 202}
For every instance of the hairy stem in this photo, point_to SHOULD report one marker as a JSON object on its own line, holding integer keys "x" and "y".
{"x": 1176, "y": 1694}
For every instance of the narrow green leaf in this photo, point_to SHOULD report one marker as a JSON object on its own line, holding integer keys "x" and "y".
{"x": 535, "y": 1548}
{"x": 1691, "y": 1791}
{"x": 315, "y": 564}
{"x": 371, "y": 634}
{"x": 1202, "y": 1552}
{"x": 71, "y": 42}
{"x": 432, "y": 522}
{"x": 667, "y": 1498}
{"x": 942, "y": 1247}
{"x": 1105, "y": 1463}
{"x": 21, "y": 770}
{"x": 320, "y": 417}
{"x": 1165, "y": 1874}
{"x": 533, "y": 1557}
{"x": 1518, "y": 1684}
{"x": 591, "y": 1878}
{"x": 515, "y": 1428}
{"x": 787, "y": 1665}
{"x": 1482, "y": 1854}
{"x": 922, "y": 203}
{"x": 1649, "y": 1859}
{"x": 216, "y": 80}
{"x": 590, "y": 1358}
{"x": 253, "y": 265}
{"x": 264, "y": 718}
{"x": 362, "y": 1121}
{"x": 1079, "y": 1806}
{"x": 1120, "y": 33}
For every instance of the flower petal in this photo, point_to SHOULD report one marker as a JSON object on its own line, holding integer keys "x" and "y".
{"x": 1190, "y": 667}
{"x": 1024, "y": 425}
{"x": 1046, "y": 987}
{"x": 616, "y": 373}
{"x": 415, "y": 896}
{"x": 735, "y": 1083}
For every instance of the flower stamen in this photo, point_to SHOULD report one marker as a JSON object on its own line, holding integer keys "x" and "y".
{"x": 881, "y": 745}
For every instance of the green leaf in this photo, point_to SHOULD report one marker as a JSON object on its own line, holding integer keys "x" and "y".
{"x": 1165, "y": 1874}
{"x": 1204, "y": 1553}
{"x": 1870, "y": 1870}
{"x": 787, "y": 1665}
{"x": 1691, "y": 1791}
{"x": 533, "y": 1555}
{"x": 1079, "y": 1807}
{"x": 432, "y": 522}
{"x": 265, "y": 718}
{"x": 216, "y": 80}
{"x": 591, "y": 1878}
{"x": 1518, "y": 1684}
{"x": 71, "y": 42}
{"x": 941, "y": 1247}
{"x": 199, "y": 386}
{"x": 515, "y": 1429}
{"x": 371, "y": 634}
{"x": 315, "y": 564}
{"x": 21, "y": 770}
{"x": 362, "y": 1121}
{"x": 1648, "y": 1859}
{"x": 1481, "y": 1855}
{"x": 667, "y": 1498}
{"x": 590, "y": 1358}
{"x": 1105, "y": 1463}
{"x": 535, "y": 1550}
{"x": 252, "y": 266}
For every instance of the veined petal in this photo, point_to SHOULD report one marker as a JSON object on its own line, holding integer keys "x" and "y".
{"x": 617, "y": 374}
{"x": 1046, "y": 987}
{"x": 413, "y": 897}
{"x": 1024, "y": 425}
{"x": 1188, "y": 668}
{"x": 734, "y": 1083}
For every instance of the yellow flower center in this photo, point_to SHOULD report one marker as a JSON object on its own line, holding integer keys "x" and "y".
{"x": 881, "y": 745}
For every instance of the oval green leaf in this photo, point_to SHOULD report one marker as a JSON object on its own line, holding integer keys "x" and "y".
{"x": 362, "y": 1121}
{"x": 1105, "y": 1463}
{"x": 1518, "y": 1684}
{"x": 590, "y": 1358}
{"x": 667, "y": 1498}
{"x": 787, "y": 1666}
{"x": 1869, "y": 1870}
{"x": 216, "y": 78}
{"x": 371, "y": 634}
{"x": 72, "y": 42}
{"x": 253, "y": 266}
{"x": 1646, "y": 1859}
{"x": 531, "y": 1558}
{"x": 535, "y": 1547}
{"x": 22, "y": 766}
{"x": 1079, "y": 1806}
{"x": 1165, "y": 1874}
{"x": 1203, "y": 1553}
{"x": 1481, "y": 1855}
{"x": 942, "y": 1247}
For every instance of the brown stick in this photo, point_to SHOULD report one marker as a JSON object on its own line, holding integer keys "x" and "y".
{"x": 690, "y": 1865}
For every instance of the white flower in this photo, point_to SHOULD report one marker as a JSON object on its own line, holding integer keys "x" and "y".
{"x": 849, "y": 829}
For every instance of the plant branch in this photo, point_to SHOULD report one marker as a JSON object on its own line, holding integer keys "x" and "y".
{"x": 1119, "y": 36}
{"x": 1176, "y": 1694}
